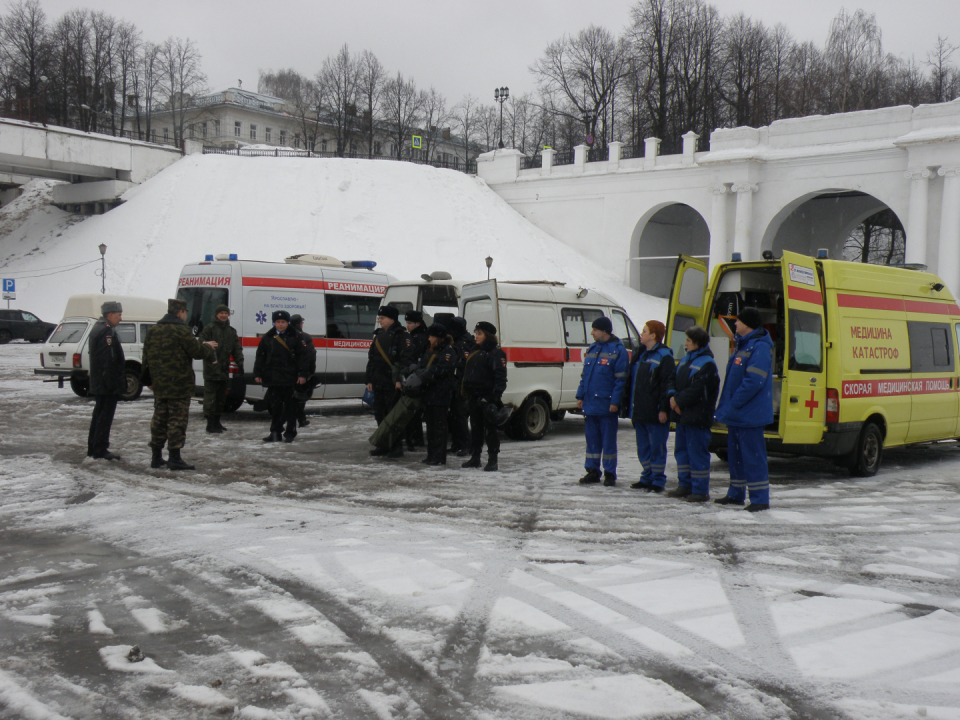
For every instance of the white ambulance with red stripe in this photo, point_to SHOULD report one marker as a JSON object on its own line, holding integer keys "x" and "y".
{"x": 866, "y": 355}
{"x": 339, "y": 301}
{"x": 543, "y": 328}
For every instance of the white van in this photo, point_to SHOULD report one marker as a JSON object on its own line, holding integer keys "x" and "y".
{"x": 543, "y": 328}
{"x": 66, "y": 354}
{"x": 339, "y": 301}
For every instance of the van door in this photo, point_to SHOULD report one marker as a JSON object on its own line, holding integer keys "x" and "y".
{"x": 803, "y": 401}
{"x": 479, "y": 302}
{"x": 933, "y": 397}
{"x": 687, "y": 302}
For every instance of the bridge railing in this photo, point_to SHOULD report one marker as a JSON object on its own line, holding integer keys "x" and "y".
{"x": 455, "y": 164}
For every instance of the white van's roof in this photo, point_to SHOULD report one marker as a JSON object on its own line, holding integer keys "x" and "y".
{"x": 134, "y": 308}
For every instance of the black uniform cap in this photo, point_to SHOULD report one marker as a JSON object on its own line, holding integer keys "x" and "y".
{"x": 388, "y": 311}
{"x": 280, "y": 315}
{"x": 413, "y": 316}
{"x": 486, "y": 328}
{"x": 437, "y": 330}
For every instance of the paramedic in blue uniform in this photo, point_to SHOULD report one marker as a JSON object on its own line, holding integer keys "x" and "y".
{"x": 693, "y": 398}
{"x": 651, "y": 377}
{"x": 746, "y": 405}
{"x": 599, "y": 395}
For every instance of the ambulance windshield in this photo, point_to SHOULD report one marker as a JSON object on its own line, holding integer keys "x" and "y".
{"x": 201, "y": 302}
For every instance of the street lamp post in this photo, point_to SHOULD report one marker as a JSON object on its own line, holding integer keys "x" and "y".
{"x": 500, "y": 95}
{"x": 103, "y": 268}
{"x": 489, "y": 261}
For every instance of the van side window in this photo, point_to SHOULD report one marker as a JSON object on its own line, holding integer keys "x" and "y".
{"x": 350, "y": 316}
{"x": 691, "y": 287}
{"x": 624, "y": 329}
{"x": 678, "y": 334}
{"x": 930, "y": 347}
{"x": 576, "y": 324}
{"x": 476, "y": 310}
{"x": 806, "y": 341}
{"x": 127, "y": 332}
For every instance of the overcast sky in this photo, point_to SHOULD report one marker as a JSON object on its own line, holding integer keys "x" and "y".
{"x": 458, "y": 46}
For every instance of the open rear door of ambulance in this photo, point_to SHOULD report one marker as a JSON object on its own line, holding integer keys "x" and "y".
{"x": 478, "y": 301}
{"x": 687, "y": 302}
{"x": 803, "y": 403}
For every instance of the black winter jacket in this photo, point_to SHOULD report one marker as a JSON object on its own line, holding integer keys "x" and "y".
{"x": 695, "y": 389}
{"x": 649, "y": 379}
{"x": 463, "y": 345}
{"x": 279, "y": 366}
{"x": 107, "y": 373}
{"x": 438, "y": 380}
{"x": 397, "y": 345}
{"x": 419, "y": 342}
{"x": 311, "y": 350}
{"x": 485, "y": 372}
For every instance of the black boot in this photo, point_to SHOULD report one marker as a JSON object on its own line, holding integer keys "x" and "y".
{"x": 473, "y": 462}
{"x": 681, "y": 491}
{"x": 609, "y": 479}
{"x": 176, "y": 462}
{"x": 273, "y": 437}
{"x": 212, "y": 426}
{"x": 157, "y": 461}
{"x": 491, "y": 465}
{"x": 217, "y": 422}
{"x": 591, "y": 478}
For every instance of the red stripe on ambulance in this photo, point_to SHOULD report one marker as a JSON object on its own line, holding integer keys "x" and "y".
{"x": 336, "y": 343}
{"x": 804, "y": 295}
{"x": 332, "y": 285}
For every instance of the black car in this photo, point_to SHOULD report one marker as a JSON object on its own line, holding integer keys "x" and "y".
{"x": 21, "y": 325}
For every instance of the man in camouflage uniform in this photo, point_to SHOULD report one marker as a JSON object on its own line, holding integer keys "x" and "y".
{"x": 216, "y": 370}
{"x": 168, "y": 352}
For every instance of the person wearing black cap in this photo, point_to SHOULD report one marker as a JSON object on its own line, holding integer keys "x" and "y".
{"x": 216, "y": 371}
{"x": 281, "y": 365}
{"x": 108, "y": 379}
{"x": 745, "y": 407}
{"x": 419, "y": 345}
{"x": 463, "y": 344}
{"x": 389, "y": 354}
{"x": 484, "y": 381}
{"x": 307, "y": 341}
{"x": 437, "y": 364}
{"x": 599, "y": 396}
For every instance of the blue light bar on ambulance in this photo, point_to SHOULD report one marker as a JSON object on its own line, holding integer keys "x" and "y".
{"x": 234, "y": 256}
{"x": 208, "y": 258}
{"x": 823, "y": 254}
{"x": 736, "y": 257}
{"x": 368, "y": 264}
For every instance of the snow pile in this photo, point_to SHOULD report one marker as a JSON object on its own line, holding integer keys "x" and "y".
{"x": 409, "y": 218}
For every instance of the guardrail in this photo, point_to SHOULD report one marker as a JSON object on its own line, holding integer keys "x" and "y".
{"x": 459, "y": 165}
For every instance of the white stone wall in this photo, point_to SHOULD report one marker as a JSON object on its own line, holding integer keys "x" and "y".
{"x": 751, "y": 188}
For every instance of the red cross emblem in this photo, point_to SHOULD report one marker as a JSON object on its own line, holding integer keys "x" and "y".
{"x": 811, "y": 403}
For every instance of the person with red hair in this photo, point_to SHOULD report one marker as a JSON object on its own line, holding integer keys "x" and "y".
{"x": 650, "y": 378}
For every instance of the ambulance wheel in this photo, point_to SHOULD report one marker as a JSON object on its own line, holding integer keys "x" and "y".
{"x": 722, "y": 455}
{"x": 232, "y": 403}
{"x": 531, "y": 421}
{"x": 868, "y": 453}
{"x": 133, "y": 388}
{"x": 80, "y": 386}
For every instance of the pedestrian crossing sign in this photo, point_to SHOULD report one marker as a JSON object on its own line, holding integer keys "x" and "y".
{"x": 417, "y": 142}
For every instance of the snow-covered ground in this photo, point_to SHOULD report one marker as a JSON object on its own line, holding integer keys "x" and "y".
{"x": 312, "y": 581}
{"x": 410, "y": 219}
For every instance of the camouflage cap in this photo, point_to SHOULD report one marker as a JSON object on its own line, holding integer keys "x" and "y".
{"x": 175, "y": 307}
{"x": 111, "y": 306}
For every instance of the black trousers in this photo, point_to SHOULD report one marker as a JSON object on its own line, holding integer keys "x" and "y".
{"x": 481, "y": 431}
{"x": 436, "y": 417}
{"x": 459, "y": 423}
{"x": 283, "y": 410}
{"x": 414, "y": 432}
{"x": 98, "y": 439}
{"x": 384, "y": 398}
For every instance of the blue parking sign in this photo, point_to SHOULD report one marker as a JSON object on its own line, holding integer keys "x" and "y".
{"x": 9, "y": 285}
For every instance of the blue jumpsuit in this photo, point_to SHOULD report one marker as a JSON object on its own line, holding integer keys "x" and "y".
{"x": 745, "y": 407}
{"x": 601, "y": 385}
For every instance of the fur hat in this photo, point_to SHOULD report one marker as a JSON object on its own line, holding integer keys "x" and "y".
{"x": 175, "y": 307}
{"x": 657, "y": 328}
{"x": 388, "y": 311}
{"x": 111, "y": 306}
{"x": 437, "y": 330}
{"x": 280, "y": 315}
{"x": 603, "y": 324}
{"x": 750, "y": 317}
{"x": 488, "y": 329}
{"x": 413, "y": 316}
{"x": 296, "y": 319}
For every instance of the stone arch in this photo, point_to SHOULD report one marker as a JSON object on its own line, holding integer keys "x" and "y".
{"x": 825, "y": 218}
{"x": 665, "y": 230}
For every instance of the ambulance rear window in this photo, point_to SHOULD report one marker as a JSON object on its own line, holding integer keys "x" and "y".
{"x": 201, "y": 302}
{"x": 806, "y": 341}
{"x": 931, "y": 349}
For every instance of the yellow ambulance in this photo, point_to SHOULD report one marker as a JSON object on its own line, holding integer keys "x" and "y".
{"x": 865, "y": 355}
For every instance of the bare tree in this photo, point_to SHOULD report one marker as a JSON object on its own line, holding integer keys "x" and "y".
{"x": 371, "y": 77}
{"x": 182, "y": 79}
{"x": 401, "y": 110}
{"x": 854, "y": 55}
{"x": 466, "y": 115}
{"x": 146, "y": 85}
{"x": 338, "y": 82}
{"x": 655, "y": 34}
{"x": 304, "y": 97}
{"x": 940, "y": 69}
{"x": 125, "y": 68}
{"x": 434, "y": 113}
{"x": 25, "y": 54}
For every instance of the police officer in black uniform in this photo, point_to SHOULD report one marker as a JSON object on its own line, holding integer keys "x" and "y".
{"x": 281, "y": 367}
{"x": 296, "y": 322}
{"x": 419, "y": 344}
{"x": 484, "y": 380}
{"x": 463, "y": 344}
{"x": 107, "y": 379}
{"x": 438, "y": 364}
{"x": 390, "y": 352}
